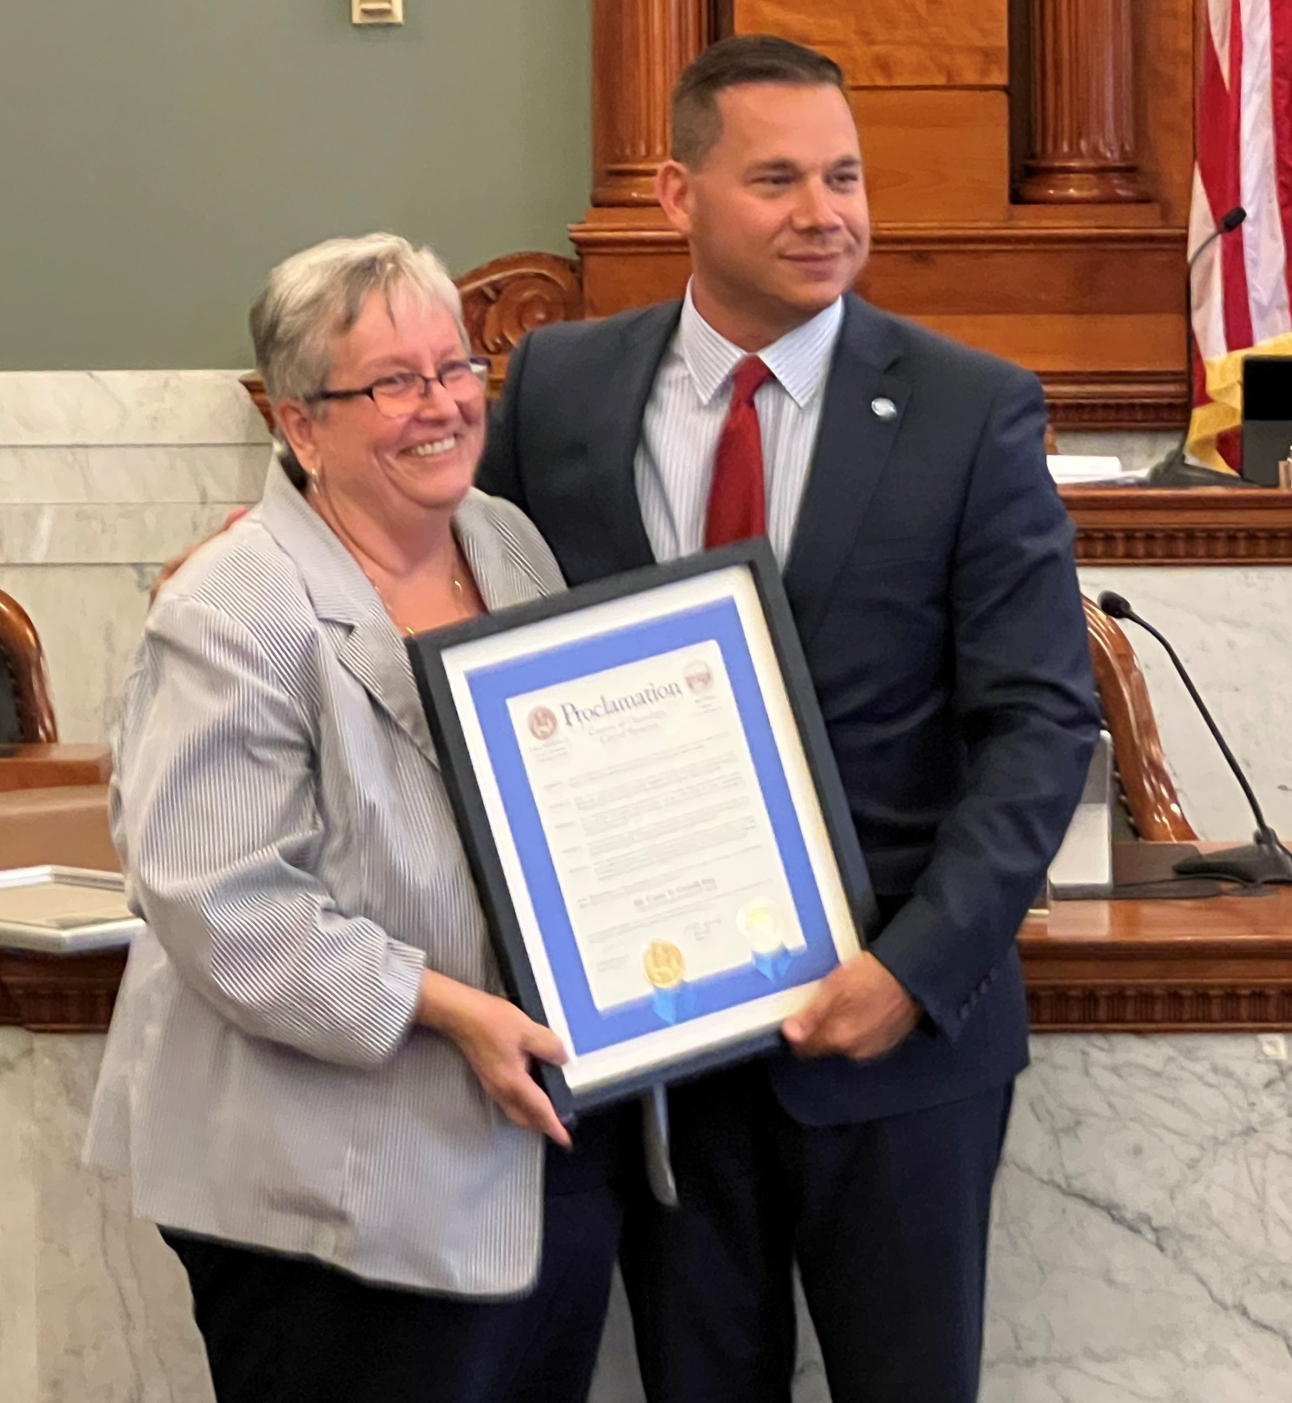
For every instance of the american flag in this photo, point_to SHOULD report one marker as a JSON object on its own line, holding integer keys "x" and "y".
{"x": 1243, "y": 283}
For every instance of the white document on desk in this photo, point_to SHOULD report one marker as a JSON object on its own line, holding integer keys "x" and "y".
{"x": 655, "y": 820}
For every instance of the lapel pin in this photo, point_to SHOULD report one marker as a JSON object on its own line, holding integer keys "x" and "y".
{"x": 883, "y": 408}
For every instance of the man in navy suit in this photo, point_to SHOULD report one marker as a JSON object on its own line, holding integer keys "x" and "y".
{"x": 902, "y": 481}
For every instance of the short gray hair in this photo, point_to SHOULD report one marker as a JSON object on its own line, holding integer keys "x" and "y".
{"x": 318, "y": 294}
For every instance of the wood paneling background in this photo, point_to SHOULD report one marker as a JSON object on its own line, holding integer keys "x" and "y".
{"x": 1088, "y": 294}
{"x": 894, "y": 43}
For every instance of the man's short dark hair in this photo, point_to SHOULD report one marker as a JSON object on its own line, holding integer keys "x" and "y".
{"x": 730, "y": 63}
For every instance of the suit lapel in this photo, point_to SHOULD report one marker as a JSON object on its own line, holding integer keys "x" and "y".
{"x": 373, "y": 653}
{"x": 852, "y": 448}
{"x": 619, "y": 428}
{"x": 354, "y": 620}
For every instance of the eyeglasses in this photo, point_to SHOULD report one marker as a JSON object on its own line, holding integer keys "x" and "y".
{"x": 396, "y": 395}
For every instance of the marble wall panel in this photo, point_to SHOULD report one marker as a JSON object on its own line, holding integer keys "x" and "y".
{"x": 93, "y": 1305}
{"x": 151, "y": 474}
{"x": 1233, "y": 629}
{"x": 115, "y": 1320}
{"x": 103, "y": 476}
{"x": 1142, "y": 1242}
{"x": 125, "y": 408}
{"x": 18, "y": 1236}
{"x": 1138, "y": 451}
{"x": 89, "y": 619}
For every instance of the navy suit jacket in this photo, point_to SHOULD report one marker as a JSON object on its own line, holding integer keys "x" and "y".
{"x": 932, "y": 581}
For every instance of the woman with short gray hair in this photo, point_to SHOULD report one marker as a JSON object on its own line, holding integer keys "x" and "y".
{"x": 312, "y": 1077}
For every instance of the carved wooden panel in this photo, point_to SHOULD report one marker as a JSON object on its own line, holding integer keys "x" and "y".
{"x": 504, "y": 299}
{"x": 935, "y": 154}
{"x": 894, "y": 43}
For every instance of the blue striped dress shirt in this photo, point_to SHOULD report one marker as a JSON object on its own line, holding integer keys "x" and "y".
{"x": 688, "y": 407}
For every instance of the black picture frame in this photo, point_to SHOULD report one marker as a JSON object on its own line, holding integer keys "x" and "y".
{"x": 426, "y": 654}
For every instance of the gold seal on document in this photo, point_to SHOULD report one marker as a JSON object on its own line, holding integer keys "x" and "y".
{"x": 760, "y": 924}
{"x": 664, "y": 964}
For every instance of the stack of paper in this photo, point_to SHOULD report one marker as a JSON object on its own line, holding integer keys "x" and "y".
{"x": 1072, "y": 469}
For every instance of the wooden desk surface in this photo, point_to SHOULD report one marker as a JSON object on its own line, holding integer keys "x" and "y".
{"x": 1223, "y": 963}
{"x": 1218, "y": 965}
{"x": 1260, "y": 920}
{"x": 48, "y": 766}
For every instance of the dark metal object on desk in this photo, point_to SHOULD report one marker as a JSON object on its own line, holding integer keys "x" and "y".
{"x": 1267, "y": 418}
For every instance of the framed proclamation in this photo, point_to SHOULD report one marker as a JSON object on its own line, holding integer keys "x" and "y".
{"x": 657, "y": 829}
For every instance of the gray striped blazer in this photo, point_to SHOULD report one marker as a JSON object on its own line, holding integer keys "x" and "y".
{"x": 286, "y": 835}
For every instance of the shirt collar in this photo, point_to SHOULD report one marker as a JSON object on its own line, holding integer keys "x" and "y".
{"x": 799, "y": 359}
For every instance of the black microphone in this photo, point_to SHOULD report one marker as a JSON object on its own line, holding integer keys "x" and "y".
{"x": 1174, "y": 470}
{"x": 1266, "y": 860}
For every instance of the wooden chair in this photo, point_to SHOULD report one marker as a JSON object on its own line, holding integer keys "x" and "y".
{"x": 26, "y": 707}
{"x": 1150, "y": 803}
{"x": 30, "y": 754}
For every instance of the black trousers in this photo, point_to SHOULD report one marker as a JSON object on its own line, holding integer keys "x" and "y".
{"x": 888, "y": 1222}
{"x": 284, "y": 1330}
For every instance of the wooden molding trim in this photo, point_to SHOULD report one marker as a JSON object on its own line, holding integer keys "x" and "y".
{"x": 1158, "y": 1008}
{"x": 1197, "y": 526}
{"x": 1220, "y": 964}
{"x": 642, "y": 231}
{"x": 1210, "y": 986}
{"x": 1161, "y": 991}
{"x": 60, "y": 994}
{"x": 1131, "y": 400}
{"x": 1009, "y": 238}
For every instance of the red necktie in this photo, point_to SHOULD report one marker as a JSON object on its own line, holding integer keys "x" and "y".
{"x": 737, "y": 498}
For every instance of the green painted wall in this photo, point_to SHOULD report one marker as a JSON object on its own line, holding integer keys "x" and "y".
{"x": 157, "y": 158}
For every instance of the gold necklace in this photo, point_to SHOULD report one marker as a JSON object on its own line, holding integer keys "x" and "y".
{"x": 458, "y": 592}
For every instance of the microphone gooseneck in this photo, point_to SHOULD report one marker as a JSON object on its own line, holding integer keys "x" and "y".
{"x": 1265, "y": 861}
{"x": 1175, "y": 470}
